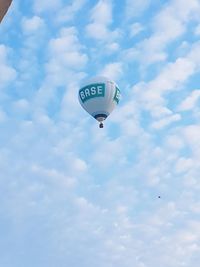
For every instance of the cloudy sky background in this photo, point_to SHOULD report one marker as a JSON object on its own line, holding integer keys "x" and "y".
{"x": 72, "y": 194}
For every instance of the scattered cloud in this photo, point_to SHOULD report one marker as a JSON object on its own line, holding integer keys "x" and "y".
{"x": 32, "y": 25}
{"x": 168, "y": 25}
{"x": 135, "y": 8}
{"x": 166, "y": 121}
{"x": 113, "y": 70}
{"x": 46, "y": 6}
{"x": 8, "y": 73}
{"x": 67, "y": 12}
{"x": 135, "y": 29}
{"x": 170, "y": 78}
{"x": 190, "y": 102}
{"x": 101, "y": 19}
{"x": 197, "y": 30}
{"x": 65, "y": 52}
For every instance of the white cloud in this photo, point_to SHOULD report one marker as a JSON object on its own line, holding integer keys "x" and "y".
{"x": 160, "y": 112}
{"x": 174, "y": 142}
{"x": 136, "y": 28}
{"x": 67, "y": 12}
{"x": 65, "y": 52}
{"x": 32, "y": 25}
{"x": 191, "y": 133}
{"x": 8, "y": 73}
{"x": 3, "y": 116}
{"x": 3, "y": 53}
{"x": 170, "y": 78}
{"x": 112, "y": 47}
{"x": 113, "y": 70}
{"x": 79, "y": 165}
{"x": 173, "y": 74}
{"x": 64, "y": 68}
{"x": 184, "y": 164}
{"x": 33, "y": 31}
{"x": 197, "y": 30}
{"x": 117, "y": 152}
{"x": 21, "y": 106}
{"x": 45, "y": 5}
{"x": 54, "y": 176}
{"x": 168, "y": 25}
{"x": 135, "y": 8}
{"x": 166, "y": 121}
{"x": 102, "y": 12}
{"x": 66, "y": 60}
{"x": 97, "y": 31}
{"x": 101, "y": 18}
{"x": 190, "y": 102}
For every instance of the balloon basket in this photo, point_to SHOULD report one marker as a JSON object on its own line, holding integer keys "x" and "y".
{"x": 101, "y": 125}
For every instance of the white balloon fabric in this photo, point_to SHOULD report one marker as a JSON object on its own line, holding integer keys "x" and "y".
{"x": 99, "y": 96}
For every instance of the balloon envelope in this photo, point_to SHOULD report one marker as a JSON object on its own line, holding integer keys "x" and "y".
{"x": 99, "y": 96}
{"x": 4, "y": 5}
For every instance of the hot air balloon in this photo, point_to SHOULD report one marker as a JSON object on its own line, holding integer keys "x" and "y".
{"x": 99, "y": 96}
{"x": 4, "y": 5}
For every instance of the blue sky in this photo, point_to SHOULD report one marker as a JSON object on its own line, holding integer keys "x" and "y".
{"x": 72, "y": 194}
